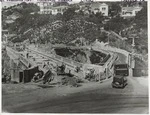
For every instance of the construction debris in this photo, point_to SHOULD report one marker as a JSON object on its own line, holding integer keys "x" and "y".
{"x": 71, "y": 80}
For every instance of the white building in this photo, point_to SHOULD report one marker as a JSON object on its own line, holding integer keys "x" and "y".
{"x": 99, "y": 7}
{"x": 58, "y": 9}
{"x": 130, "y": 11}
{"x": 45, "y": 7}
{"x": 48, "y": 8}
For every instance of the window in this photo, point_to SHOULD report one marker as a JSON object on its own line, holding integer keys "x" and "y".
{"x": 129, "y": 13}
{"x": 103, "y": 8}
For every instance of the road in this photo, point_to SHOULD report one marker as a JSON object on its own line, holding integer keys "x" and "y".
{"x": 90, "y": 98}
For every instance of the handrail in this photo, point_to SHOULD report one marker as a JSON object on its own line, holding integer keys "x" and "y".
{"x": 57, "y": 58}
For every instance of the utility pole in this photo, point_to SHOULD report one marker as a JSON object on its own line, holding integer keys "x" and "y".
{"x": 131, "y": 58}
{"x": 108, "y": 38}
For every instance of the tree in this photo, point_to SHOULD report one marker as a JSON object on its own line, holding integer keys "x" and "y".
{"x": 103, "y": 37}
{"x": 117, "y": 24}
{"x": 59, "y": 16}
{"x": 81, "y": 13}
{"x": 100, "y": 19}
{"x": 69, "y": 14}
{"x": 141, "y": 18}
{"x": 114, "y": 9}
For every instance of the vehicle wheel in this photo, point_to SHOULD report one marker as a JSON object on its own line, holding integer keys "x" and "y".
{"x": 44, "y": 82}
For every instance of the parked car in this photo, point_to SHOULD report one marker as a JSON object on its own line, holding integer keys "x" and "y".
{"x": 38, "y": 75}
{"x": 119, "y": 81}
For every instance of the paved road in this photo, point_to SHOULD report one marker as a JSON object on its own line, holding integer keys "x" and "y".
{"x": 121, "y": 58}
{"x": 99, "y": 98}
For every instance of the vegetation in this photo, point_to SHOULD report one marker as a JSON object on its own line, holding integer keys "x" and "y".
{"x": 5, "y": 63}
{"x": 117, "y": 24}
{"x": 66, "y": 27}
{"x": 141, "y": 18}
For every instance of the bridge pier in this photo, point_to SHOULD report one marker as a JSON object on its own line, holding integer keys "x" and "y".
{"x": 14, "y": 71}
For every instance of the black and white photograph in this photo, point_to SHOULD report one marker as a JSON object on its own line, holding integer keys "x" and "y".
{"x": 74, "y": 56}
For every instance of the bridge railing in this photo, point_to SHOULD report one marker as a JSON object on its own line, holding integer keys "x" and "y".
{"x": 21, "y": 58}
{"x": 24, "y": 61}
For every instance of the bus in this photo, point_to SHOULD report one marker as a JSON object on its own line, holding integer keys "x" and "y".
{"x": 121, "y": 69}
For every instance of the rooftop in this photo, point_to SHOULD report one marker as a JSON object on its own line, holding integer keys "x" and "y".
{"x": 97, "y": 4}
{"x": 131, "y": 8}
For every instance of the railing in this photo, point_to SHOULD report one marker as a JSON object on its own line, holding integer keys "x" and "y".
{"x": 21, "y": 58}
{"x": 106, "y": 58}
{"x": 57, "y": 59}
{"x": 24, "y": 61}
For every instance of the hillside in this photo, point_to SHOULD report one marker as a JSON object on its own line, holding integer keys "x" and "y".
{"x": 42, "y": 28}
{"x": 15, "y": 12}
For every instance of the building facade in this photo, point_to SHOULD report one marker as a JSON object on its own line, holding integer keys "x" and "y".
{"x": 45, "y": 7}
{"x": 58, "y": 9}
{"x": 130, "y": 11}
{"x": 49, "y": 8}
{"x": 100, "y": 7}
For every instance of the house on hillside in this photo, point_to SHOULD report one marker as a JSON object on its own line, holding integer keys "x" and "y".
{"x": 58, "y": 9}
{"x": 128, "y": 12}
{"x": 99, "y": 7}
{"x": 45, "y": 7}
{"x": 94, "y": 7}
{"x": 49, "y": 8}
